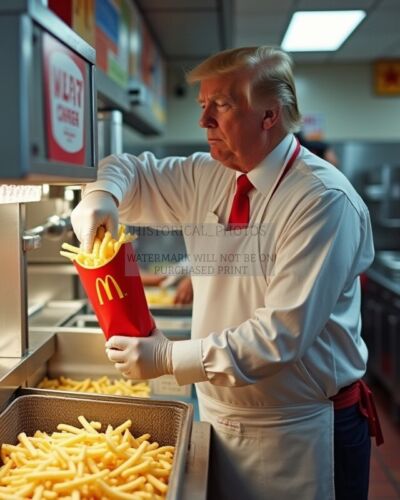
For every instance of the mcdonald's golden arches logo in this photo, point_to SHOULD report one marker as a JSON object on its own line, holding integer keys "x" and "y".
{"x": 106, "y": 285}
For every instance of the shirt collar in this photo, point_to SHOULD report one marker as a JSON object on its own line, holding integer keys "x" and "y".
{"x": 264, "y": 175}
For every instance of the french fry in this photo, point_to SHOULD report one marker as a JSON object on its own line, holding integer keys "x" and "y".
{"x": 162, "y": 487}
{"x": 75, "y": 483}
{"x": 69, "y": 255}
{"x": 105, "y": 247}
{"x": 121, "y": 229}
{"x": 84, "y": 463}
{"x": 39, "y": 490}
{"x": 86, "y": 425}
{"x": 28, "y": 445}
{"x": 71, "y": 248}
{"x": 106, "y": 239}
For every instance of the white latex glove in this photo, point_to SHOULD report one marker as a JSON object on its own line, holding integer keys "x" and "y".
{"x": 141, "y": 357}
{"x": 97, "y": 208}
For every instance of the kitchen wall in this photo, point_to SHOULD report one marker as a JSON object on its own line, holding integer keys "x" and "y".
{"x": 342, "y": 93}
{"x": 345, "y": 95}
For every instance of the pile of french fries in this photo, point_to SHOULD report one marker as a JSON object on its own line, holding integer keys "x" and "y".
{"x": 160, "y": 297}
{"x": 84, "y": 463}
{"x": 102, "y": 385}
{"x": 105, "y": 247}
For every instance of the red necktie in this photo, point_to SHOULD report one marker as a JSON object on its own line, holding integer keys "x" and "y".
{"x": 240, "y": 211}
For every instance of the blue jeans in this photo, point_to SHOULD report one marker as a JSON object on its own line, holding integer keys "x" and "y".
{"x": 352, "y": 453}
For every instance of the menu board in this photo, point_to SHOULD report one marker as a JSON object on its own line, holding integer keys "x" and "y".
{"x": 112, "y": 39}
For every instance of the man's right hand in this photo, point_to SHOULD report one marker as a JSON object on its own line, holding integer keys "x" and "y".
{"x": 97, "y": 208}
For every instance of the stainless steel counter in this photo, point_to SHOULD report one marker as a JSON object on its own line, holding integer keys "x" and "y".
{"x": 80, "y": 347}
{"x": 54, "y": 313}
{"x": 196, "y": 478}
{"x": 15, "y": 372}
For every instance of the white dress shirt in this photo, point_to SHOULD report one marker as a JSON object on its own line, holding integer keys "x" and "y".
{"x": 286, "y": 328}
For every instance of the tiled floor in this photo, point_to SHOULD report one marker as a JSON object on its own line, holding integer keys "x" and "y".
{"x": 385, "y": 460}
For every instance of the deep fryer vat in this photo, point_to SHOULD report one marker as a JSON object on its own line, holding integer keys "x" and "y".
{"x": 168, "y": 422}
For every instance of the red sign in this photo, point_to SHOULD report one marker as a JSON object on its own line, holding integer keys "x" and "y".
{"x": 387, "y": 77}
{"x": 65, "y": 83}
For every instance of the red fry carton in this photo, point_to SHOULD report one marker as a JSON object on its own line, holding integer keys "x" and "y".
{"x": 116, "y": 293}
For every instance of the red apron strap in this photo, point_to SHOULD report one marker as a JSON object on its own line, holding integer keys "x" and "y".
{"x": 347, "y": 396}
{"x": 360, "y": 393}
{"x": 288, "y": 166}
{"x": 367, "y": 408}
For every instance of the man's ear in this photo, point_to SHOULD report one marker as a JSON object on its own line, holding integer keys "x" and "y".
{"x": 271, "y": 116}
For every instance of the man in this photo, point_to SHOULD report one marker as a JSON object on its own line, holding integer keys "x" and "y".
{"x": 276, "y": 334}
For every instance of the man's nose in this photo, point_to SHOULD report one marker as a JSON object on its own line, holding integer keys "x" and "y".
{"x": 207, "y": 120}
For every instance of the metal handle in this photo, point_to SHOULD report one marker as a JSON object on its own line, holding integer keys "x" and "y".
{"x": 31, "y": 242}
{"x": 55, "y": 227}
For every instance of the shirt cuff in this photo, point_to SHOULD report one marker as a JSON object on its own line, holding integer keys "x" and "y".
{"x": 187, "y": 362}
{"x": 108, "y": 187}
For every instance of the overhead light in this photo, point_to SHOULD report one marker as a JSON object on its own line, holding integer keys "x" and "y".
{"x": 320, "y": 30}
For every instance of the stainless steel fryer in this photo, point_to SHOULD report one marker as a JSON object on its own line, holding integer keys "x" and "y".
{"x": 168, "y": 422}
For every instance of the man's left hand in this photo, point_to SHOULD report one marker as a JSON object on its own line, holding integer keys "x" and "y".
{"x": 141, "y": 357}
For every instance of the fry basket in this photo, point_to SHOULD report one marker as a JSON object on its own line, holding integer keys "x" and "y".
{"x": 168, "y": 422}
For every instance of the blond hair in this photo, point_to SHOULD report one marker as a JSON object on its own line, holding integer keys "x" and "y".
{"x": 273, "y": 76}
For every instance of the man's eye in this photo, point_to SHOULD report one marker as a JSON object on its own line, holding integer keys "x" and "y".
{"x": 221, "y": 104}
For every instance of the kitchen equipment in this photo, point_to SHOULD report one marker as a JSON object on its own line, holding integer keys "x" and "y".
{"x": 48, "y": 96}
{"x": 80, "y": 351}
{"x": 390, "y": 209}
{"x": 388, "y": 262}
{"x": 381, "y": 330}
{"x": 168, "y": 422}
{"x": 175, "y": 328}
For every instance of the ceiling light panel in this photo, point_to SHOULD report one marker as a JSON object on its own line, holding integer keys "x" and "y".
{"x": 320, "y": 30}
